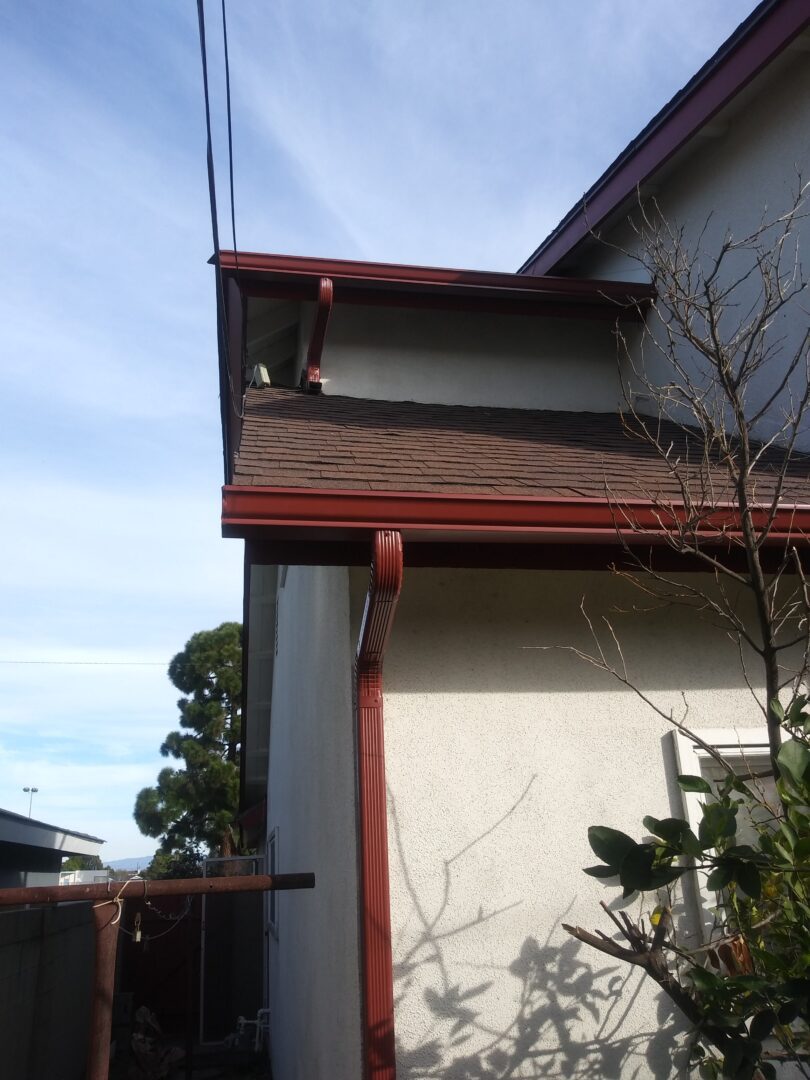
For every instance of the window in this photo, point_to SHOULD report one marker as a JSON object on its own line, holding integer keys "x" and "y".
{"x": 272, "y": 896}
{"x": 747, "y": 751}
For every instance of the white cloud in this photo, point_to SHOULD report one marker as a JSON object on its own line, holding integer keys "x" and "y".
{"x": 96, "y": 799}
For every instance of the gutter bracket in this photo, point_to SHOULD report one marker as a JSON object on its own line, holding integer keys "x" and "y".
{"x": 311, "y": 380}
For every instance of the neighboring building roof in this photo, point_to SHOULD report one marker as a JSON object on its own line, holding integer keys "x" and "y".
{"x": 754, "y": 44}
{"x": 16, "y": 829}
{"x": 296, "y": 440}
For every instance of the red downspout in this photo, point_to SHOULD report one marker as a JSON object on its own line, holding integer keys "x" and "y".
{"x": 326, "y": 298}
{"x": 377, "y": 960}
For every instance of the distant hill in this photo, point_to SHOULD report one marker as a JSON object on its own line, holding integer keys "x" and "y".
{"x": 133, "y": 863}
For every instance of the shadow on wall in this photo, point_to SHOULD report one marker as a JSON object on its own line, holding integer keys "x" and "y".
{"x": 509, "y": 631}
{"x": 558, "y": 1016}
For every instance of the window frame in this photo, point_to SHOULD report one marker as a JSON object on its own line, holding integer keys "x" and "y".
{"x": 273, "y": 896}
{"x": 736, "y": 745}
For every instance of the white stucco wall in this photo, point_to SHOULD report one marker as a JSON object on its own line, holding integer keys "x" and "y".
{"x": 745, "y": 171}
{"x": 498, "y": 758}
{"x": 314, "y": 971}
{"x": 467, "y": 358}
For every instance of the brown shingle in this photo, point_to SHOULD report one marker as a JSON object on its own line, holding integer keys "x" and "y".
{"x": 291, "y": 439}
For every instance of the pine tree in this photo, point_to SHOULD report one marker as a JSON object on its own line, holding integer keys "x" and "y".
{"x": 193, "y": 806}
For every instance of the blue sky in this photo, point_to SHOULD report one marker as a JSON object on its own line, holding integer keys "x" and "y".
{"x": 454, "y": 133}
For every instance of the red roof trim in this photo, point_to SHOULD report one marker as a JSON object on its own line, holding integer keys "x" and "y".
{"x": 500, "y": 517}
{"x": 264, "y": 274}
{"x": 751, "y": 48}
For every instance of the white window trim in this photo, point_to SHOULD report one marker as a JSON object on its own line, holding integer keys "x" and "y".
{"x": 735, "y": 744}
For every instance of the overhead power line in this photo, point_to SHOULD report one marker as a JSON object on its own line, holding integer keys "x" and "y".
{"x": 230, "y": 134}
{"x": 212, "y": 198}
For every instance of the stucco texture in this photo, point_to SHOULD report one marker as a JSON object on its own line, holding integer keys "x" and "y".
{"x": 463, "y": 358}
{"x": 499, "y": 755}
{"x": 746, "y": 169}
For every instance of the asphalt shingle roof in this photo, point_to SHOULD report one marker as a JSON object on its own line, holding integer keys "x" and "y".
{"x": 292, "y": 439}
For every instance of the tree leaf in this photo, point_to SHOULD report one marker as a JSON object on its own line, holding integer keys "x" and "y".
{"x": 721, "y": 876}
{"x": 748, "y": 878}
{"x": 789, "y": 1012}
{"x": 718, "y": 823}
{"x": 601, "y": 871}
{"x": 637, "y": 868}
{"x": 610, "y": 845}
{"x": 794, "y": 714}
{"x": 794, "y": 759}
{"x": 670, "y": 830}
{"x": 703, "y": 979}
{"x": 694, "y": 783}
{"x": 734, "y": 1057}
{"x": 665, "y": 875}
{"x": 762, "y": 1024}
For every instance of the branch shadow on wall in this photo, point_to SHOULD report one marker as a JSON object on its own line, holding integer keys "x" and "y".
{"x": 564, "y": 1018}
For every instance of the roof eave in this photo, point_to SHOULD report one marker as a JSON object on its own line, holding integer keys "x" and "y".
{"x": 755, "y": 43}
{"x": 392, "y": 284}
{"x": 333, "y": 514}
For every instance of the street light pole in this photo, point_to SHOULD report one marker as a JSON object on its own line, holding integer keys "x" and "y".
{"x": 32, "y": 791}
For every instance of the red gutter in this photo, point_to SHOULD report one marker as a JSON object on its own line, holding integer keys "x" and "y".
{"x": 575, "y": 520}
{"x": 391, "y": 283}
{"x": 377, "y": 960}
{"x": 715, "y": 86}
{"x": 326, "y": 298}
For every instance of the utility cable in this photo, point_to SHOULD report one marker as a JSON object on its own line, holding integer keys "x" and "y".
{"x": 230, "y": 135}
{"x": 212, "y": 198}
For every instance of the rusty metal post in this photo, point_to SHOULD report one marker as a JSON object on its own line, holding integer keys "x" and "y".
{"x": 107, "y": 918}
{"x": 138, "y": 887}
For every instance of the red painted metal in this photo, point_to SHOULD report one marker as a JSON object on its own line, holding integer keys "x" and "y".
{"x": 299, "y": 278}
{"x": 107, "y": 918}
{"x": 382, "y": 275}
{"x": 740, "y": 59}
{"x": 488, "y": 517}
{"x": 378, "y": 988}
{"x": 326, "y": 298}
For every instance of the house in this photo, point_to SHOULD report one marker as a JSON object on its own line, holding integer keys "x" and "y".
{"x": 31, "y": 852}
{"x": 46, "y": 954}
{"x": 429, "y": 486}
{"x": 87, "y": 877}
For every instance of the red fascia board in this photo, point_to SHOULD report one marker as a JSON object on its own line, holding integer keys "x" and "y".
{"x": 298, "y": 277}
{"x": 722, "y": 81}
{"x": 499, "y": 517}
